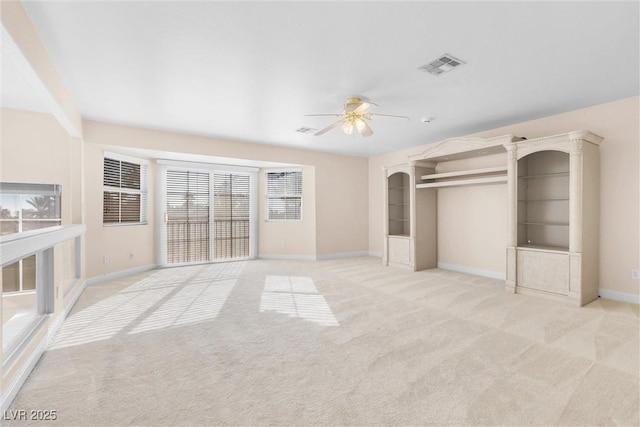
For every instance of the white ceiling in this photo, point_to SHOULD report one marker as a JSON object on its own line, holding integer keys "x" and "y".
{"x": 250, "y": 71}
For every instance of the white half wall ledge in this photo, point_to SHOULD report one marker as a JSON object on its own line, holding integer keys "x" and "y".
{"x": 12, "y": 390}
{"x": 120, "y": 274}
{"x": 472, "y": 270}
{"x": 619, "y": 296}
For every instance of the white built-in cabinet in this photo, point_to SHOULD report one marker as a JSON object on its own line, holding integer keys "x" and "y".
{"x": 553, "y": 205}
{"x": 404, "y": 237}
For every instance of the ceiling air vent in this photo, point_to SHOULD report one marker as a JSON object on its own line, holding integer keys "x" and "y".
{"x": 306, "y": 130}
{"x": 443, "y": 64}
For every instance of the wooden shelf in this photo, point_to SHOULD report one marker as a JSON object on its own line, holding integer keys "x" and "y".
{"x": 467, "y": 172}
{"x": 462, "y": 182}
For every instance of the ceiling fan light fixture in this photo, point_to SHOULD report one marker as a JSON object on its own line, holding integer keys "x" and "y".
{"x": 347, "y": 127}
{"x": 354, "y": 116}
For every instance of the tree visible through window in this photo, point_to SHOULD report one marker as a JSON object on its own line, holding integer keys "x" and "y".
{"x": 25, "y": 207}
{"x": 284, "y": 195}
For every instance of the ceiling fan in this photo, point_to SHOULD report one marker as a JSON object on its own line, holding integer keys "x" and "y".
{"x": 353, "y": 117}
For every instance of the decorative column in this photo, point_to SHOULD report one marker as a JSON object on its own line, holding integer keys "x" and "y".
{"x": 385, "y": 216}
{"x": 412, "y": 199}
{"x": 575, "y": 200}
{"x": 512, "y": 215}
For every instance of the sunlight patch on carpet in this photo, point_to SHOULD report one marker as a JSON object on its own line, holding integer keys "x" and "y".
{"x": 296, "y": 296}
{"x": 194, "y": 303}
{"x": 162, "y": 299}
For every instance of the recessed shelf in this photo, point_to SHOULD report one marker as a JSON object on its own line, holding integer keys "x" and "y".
{"x": 398, "y": 220}
{"x": 545, "y": 200}
{"x": 545, "y": 175}
{"x": 552, "y": 224}
{"x": 398, "y": 188}
{"x": 398, "y": 204}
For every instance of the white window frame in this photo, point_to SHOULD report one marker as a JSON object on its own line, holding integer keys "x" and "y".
{"x": 267, "y": 195}
{"x": 143, "y": 191}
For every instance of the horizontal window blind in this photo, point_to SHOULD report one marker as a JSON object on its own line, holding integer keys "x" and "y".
{"x": 284, "y": 195}
{"x": 125, "y": 192}
{"x": 231, "y": 215}
{"x": 187, "y": 216}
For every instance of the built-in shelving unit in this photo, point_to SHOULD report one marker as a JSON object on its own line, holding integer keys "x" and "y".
{"x": 553, "y": 225}
{"x": 398, "y": 204}
{"x": 552, "y": 186}
{"x": 543, "y": 200}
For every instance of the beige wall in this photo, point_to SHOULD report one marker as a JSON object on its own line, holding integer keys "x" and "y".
{"x": 335, "y": 198}
{"x": 618, "y": 123}
{"x": 293, "y": 239}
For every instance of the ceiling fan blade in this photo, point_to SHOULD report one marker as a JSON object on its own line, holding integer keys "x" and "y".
{"x": 390, "y": 115}
{"x": 324, "y": 115}
{"x": 328, "y": 128}
{"x": 364, "y": 107}
{"x": 363, "y": 128}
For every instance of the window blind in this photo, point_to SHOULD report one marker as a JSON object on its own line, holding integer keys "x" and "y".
{"x": 284, "y": 195}
{"x": 231, "y": 215}
{"x": 125, "y": 192}
{"x": 187, "y": 216}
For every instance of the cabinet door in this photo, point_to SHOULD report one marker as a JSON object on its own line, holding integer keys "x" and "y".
{"x": 400, "y": 250}
{"x": 545, "y": 271}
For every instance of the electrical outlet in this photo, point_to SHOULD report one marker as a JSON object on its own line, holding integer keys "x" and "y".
{"x": 131, "y": 256}
{"x": 635, "y": 274}
{"x": 105, "y": 259}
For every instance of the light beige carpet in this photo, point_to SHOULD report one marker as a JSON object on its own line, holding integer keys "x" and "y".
{"x": 345, "y": 342}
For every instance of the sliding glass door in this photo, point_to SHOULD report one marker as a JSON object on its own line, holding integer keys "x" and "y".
{"x": 187, "y": 217}
{"x": 231, "y": 222}
{"x": 209, "y": 215}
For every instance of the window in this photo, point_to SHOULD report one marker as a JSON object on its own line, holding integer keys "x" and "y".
{"x": 125, "y": 190}
{"x": 25, "y": 207}
{"x": 284, "y": 195}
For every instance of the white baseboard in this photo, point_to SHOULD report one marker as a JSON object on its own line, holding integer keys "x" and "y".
{"x": 289, "y": 257}
{"x": 377, "y": 254}
{"x": 342, "y": 255}
{"x": 120, "y": 274}
{"x": 472, "y": 270}
{"x": 619, "y": 296}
